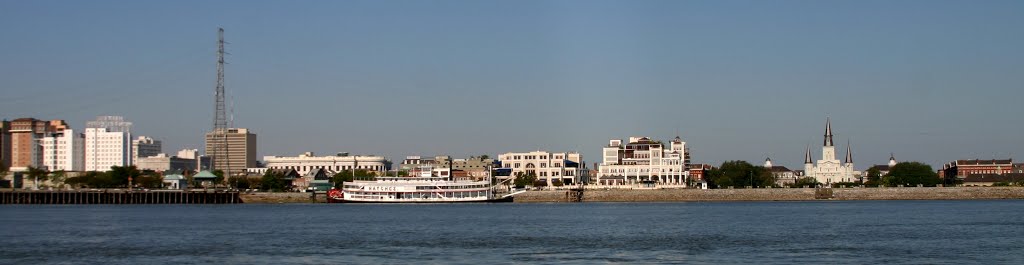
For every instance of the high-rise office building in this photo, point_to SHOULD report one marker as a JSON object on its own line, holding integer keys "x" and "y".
{"x": 240, "y": 154}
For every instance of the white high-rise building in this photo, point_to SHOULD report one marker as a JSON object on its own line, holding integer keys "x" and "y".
{"x": 145, "y": 146}
{"x": 829, "y": 170}
{"x": 566, "y": 167}
{"x": 107, "y": 143}
{"x": 63, "y": 150}
{"x": 643, "y": 160}
{"x": 188, "y": 153}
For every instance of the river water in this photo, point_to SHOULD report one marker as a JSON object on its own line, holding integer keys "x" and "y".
{"x": 830, "y": 232}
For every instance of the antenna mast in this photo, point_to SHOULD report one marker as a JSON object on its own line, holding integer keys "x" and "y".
{"x": 220, "y": 123}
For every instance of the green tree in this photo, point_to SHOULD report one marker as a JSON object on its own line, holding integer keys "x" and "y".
{"x": 58, "y": 177}
{"x": 149, "y": 181}
{"x": 349, "y": 175}
{"x": 874, "y": 177}
{"x": 120, "y": 175}
{"x": 739, "y": 174}
{"x": 36, "y": 174}
{"x": 523, "y": 180}
{"x": 805, "y": 182}
{"x": 557, "y": 183}
{"x": 911, "y": 174}
{"x": 220, "y": 176}
{"x": 240, "y": 183}
{"x": 94, "y": 179}
{"x": 484, "y": 157}
{"x": 273, "y": 181}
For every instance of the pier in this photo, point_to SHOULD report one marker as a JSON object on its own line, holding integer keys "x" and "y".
{"x": 119, "y": 197}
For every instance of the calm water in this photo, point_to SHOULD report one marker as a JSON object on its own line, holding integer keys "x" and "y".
{"x": 926, "y": 232}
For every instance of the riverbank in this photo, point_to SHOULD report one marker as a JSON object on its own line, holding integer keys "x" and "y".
{"x": 781, "y": 194}
{"x": 281, "y": 197}
{"x": 696, "y": 195}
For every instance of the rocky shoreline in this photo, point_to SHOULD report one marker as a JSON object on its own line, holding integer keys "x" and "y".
{"x": 782, "y": 194}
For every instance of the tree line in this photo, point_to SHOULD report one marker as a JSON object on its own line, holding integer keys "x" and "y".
{"x": 740, "y": 174}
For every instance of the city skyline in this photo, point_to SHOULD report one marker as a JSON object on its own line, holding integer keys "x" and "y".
{"x": 931, "y": 81}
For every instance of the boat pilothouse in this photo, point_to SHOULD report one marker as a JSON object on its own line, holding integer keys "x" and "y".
{"x": 425, "y": 188}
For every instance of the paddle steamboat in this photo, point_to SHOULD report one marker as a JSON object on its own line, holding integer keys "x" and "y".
{"x": 427, "y": 188}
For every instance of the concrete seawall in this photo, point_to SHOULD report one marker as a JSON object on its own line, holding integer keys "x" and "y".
{"x": 683, "y": 195}
{"x": 281, "y": 197}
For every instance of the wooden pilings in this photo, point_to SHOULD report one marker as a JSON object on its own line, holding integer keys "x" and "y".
{"x": 119, "y": 197}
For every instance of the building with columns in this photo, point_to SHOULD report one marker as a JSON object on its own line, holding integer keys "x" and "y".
{"x": 567, "y": 167}
{"x": 643, "y": 160}
{"x": 305, "y": 162}
{"x": 828, "y": 169}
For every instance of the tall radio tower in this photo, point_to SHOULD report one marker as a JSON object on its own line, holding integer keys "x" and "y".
{"x": 220, "y": 122}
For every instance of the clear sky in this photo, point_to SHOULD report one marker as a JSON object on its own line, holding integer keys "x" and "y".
{"x": 931, "y": 81}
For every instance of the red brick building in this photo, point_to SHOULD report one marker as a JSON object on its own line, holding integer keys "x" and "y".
{"x": 960, "y": 169}
{"x": 25, "y": 148}
{"x": 697, "y": 171}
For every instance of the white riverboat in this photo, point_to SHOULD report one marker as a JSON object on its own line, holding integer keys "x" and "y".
{"x": 427, "y": 189}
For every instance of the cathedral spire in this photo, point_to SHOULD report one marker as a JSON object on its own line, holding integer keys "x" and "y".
{"x": 849, "y": 153}
{"x": 807, "y": 156}
{"x": 828, "y": 132}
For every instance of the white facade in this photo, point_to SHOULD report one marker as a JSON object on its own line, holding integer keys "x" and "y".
{"x": 643, "y": 160}
{"x": 162, "y": 162}
{"x": 145, "y": 146}
{"x": 307, "y": 161}
{"x": 783, "y": 175}
{"x": 63, "y": 150}
{"x": 828, "y": 169}
{"x": 547, "y": 166}
{"x": 107, "y": 143}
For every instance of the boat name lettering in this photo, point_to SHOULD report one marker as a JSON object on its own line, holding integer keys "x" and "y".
{"x": 381, "y": 189}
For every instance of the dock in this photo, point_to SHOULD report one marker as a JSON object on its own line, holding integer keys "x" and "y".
{"x": 120, "y": 197}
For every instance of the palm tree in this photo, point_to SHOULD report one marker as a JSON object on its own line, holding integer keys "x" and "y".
{"x": 59, "y": 176}
{"x": 35, "y": 174}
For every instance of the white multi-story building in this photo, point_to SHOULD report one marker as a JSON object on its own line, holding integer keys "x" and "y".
{"x": 63, "y": 150}
{"x": 643, "y": 160}
{"x": 829, "y": 170}
{"x": 305, "y": 162}
{"x": 162, "y": 162}
{"x": 145, "y": 146}
{"x": 566, "y": 167}
{"x": 107, "y": 143}
{"x": 202, "y": 162}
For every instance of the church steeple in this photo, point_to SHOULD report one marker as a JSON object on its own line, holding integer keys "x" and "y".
{"x": 849, "y": 153}
{"x": 807, "y": 156}
{"x": 828, "y": 132}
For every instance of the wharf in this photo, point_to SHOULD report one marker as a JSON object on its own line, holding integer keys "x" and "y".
{"x": 115, "y": 196}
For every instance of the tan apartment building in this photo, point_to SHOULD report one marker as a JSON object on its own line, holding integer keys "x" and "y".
{"x": 240, "y": 153}
{"x": 25, "y": 134}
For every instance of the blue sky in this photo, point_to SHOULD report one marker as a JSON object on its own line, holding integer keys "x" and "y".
{"x": 931, "y": 81}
